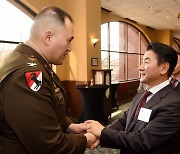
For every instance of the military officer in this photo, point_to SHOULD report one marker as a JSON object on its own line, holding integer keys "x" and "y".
{"x": 32, "y": 107}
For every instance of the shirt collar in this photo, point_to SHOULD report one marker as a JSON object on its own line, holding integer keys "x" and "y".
{"x": 158, "y": 87}
{"x": 178, "y": 78}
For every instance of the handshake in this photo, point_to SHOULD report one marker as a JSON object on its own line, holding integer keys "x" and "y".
{"x": 91, "y": 129}
{"x": 94, "y": 129}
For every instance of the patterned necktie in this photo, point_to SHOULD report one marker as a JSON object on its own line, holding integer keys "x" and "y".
{"x": 174, "y": 82}
{"x": 142, "y": 102}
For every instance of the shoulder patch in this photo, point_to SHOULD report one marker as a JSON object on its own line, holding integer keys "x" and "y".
{"x": 34, "y": 80}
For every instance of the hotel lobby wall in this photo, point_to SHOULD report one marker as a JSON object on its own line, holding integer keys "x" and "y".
{"x": 77, "y": 67}
{"x": 164, "y": 36}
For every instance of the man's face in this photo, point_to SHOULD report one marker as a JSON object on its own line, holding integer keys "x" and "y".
{"x": 61, "y": 43}
{"x": 150, "y": 72}
{"x": 176, "y": 72}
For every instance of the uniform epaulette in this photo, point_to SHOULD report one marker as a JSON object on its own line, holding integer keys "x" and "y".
{"x": 10, "y": 64}
{"x": 32, "y": 63}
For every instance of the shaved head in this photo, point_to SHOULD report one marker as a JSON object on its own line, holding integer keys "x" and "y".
{"x": 50, "y": 18}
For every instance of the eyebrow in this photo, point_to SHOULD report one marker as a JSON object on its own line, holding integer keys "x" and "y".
{"x": 147, "y": 58}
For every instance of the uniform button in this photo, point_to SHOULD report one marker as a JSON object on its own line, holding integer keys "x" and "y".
{"x": 52, "y": 74}
{"x": 58, "y": 141}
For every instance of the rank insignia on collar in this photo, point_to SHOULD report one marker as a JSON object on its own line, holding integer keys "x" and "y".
{"x": 32, "y": 58}
{"x": 32, "y": 64}
{"x": 34, "y": 80}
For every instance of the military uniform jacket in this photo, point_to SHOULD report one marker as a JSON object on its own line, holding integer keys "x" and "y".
{"x": 158, "y": 136}
{"x": 32, "y": 109}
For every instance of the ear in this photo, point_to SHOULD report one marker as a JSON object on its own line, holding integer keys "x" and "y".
{"x": 164, "y": 68}
{"x": 47, "y": 37}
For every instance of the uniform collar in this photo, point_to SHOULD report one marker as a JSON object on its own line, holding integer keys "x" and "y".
{"x": 30, "y": 51}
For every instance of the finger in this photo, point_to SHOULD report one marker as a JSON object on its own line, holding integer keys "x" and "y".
{"x": 89, "y": 121}
{"x": 88, "y": 126}
{"x": 95, "y": 144}
{"x": 82, "y": 124}
{"x": 88, "y": 131}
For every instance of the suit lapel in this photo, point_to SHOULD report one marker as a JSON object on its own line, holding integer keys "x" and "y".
{"x": 155, "y": 99}
{"x": 158, "y": 96}
{"x": 132, "y": 109}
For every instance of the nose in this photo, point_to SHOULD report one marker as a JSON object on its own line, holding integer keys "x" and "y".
{"x": 141, "y": 67}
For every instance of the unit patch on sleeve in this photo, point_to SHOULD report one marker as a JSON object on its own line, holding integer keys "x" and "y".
{"x": 34, "y": 80}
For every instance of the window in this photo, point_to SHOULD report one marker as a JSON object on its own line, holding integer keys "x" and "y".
{"x": 14, "y": 28}
{"x": 122, "y": 47}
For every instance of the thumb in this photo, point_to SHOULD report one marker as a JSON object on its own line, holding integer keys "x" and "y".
{"x": 95, "y": 144}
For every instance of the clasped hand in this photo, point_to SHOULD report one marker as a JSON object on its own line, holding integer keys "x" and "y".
{"x": 87, "y": 128}
{"x": 95, "y": 128}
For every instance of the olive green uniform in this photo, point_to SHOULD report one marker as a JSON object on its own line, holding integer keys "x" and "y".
{"x": 33, "y": 121}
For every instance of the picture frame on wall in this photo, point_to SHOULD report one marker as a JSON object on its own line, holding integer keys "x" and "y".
{"x": 94, "y": 61}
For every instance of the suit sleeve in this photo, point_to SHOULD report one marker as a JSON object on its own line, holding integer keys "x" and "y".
{"x": 162, "y": 127}
{"x": 120, "y": 123}
{"x": 31, "y": 116}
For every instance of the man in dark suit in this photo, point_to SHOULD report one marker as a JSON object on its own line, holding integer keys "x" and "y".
{"x": 176, "y": 75}
{"x": 155, "y": 128}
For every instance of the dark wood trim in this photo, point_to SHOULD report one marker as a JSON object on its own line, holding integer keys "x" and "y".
{"x": 26, "y": 8}
{"x": 11, "y": 42}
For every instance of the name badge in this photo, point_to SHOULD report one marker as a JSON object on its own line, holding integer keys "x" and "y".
{"x": 144, "y": 114}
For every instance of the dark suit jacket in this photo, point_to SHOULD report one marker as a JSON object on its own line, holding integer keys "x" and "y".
{"x": 177, "y": 88}
{"x": 159, "y": 136}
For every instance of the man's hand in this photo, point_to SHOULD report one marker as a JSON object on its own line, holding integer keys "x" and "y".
{"x": 78, "y": 128}
{"x": 95, "y": 144}
{"x": 92, "y": 141}
{"x": 94, "y": 127}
